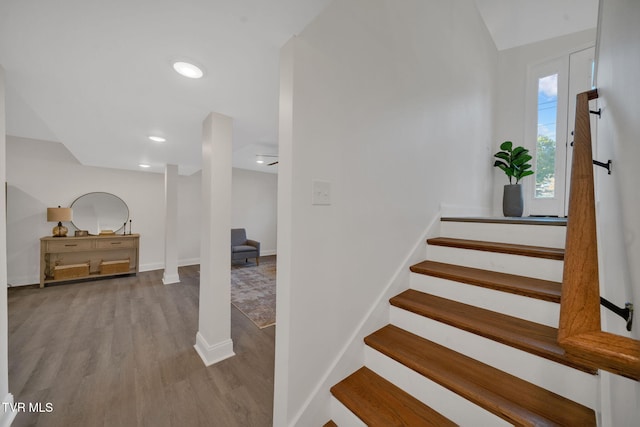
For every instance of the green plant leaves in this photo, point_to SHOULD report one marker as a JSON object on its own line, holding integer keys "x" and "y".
{"x": 502, "y": 155}
{"x": 506, "y": 146}
{"x": 518, "y": 151}
{"x": 521, "y": 160}
{"x": 514, "y": 162}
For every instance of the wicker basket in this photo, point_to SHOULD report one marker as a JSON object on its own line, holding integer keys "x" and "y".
{"x": 114, "y": 267}
{"x": 70, "y": 271}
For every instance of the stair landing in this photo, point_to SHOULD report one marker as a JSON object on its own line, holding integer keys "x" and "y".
{"x": 529, "y": 220}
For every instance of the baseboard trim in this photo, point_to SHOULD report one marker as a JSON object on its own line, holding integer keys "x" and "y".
{"x": 33, "y": 280}
{"x": 7, "y": 416}
{"x": 213, "y": 353}
{"x": 160, "y": 265}
{"x": 152, "y": 266}
{"x": 22, "y": 281}
{"x": 168, "y": 279}
{"x": 188, "y": 261}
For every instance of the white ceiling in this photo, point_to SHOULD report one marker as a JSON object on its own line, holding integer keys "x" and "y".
{"x": 96, "y": 75}
{"x": 518, "y": 22}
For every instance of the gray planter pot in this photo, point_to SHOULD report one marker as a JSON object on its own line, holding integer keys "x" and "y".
{"x": 512, "y": 201}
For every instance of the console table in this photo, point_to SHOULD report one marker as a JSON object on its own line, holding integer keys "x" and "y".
{"x": 91, "y": 250}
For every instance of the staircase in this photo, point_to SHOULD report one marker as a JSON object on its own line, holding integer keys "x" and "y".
{"x": 473, "y": 342}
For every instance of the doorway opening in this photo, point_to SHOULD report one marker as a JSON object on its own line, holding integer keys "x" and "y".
{"x": 552, "y": 88}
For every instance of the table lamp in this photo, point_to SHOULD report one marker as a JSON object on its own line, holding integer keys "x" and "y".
{"x": 58, "y": 215}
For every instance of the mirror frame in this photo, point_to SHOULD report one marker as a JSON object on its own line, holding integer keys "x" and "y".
{"x": 114, "y": 198}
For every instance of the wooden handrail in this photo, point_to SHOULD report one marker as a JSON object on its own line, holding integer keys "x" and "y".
{"x": 580, "y": 332}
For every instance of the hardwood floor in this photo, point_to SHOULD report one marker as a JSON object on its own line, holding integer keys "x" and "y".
{"x": 119, "y": 352}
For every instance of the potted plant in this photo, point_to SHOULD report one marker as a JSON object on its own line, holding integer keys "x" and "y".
{"x": 514, "y": 162}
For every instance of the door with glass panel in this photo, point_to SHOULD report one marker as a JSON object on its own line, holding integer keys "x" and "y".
{"x": 553, "y": 87}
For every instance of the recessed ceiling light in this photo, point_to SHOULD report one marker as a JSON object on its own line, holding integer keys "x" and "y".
{"x": 188, "y": 70}
{"x": 260, "y": 161}
{"x": 143, "y": 165}
{"x": 157, "y": 138}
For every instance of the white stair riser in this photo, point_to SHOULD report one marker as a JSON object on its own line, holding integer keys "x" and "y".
{"x": 520, "y": 234}
{"x": 539, "y": 268}
{"x": 442, "y": 400}
{"x": 342, "y": 416}
{"x": 534, "y": 310}
{"x": 571, "y": 383}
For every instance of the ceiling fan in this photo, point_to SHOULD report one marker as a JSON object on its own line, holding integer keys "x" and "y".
{"x": 260, "y": 158}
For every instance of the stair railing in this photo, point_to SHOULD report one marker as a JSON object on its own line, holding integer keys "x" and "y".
{"x": 580, "y": 333}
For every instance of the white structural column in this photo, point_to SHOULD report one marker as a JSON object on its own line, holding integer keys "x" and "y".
{"x": 7, "y": 413}
{"x": 213, "y": 340}
{"x": 285, "y": 220}
{"x": 171, "y": 225}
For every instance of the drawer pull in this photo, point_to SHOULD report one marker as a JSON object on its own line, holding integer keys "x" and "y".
{"x": 116, "y": 243}
{"x": 69, "y": 244}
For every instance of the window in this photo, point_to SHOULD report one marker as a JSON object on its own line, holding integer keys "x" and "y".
{"x": 546, "y": 136}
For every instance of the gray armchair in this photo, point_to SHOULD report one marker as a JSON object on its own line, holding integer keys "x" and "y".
{"x": 243, "y": 248}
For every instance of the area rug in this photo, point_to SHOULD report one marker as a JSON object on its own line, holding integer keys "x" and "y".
{"x": 253, "y": 290}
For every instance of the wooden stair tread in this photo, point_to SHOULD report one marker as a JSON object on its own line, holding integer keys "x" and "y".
{"x": 504, "y": 395}
{"x": 330, "y": 423}
{"x": 377, "y": 402}
{"x": 531, "y": 337}
{"x": 505, "y": 248}
{"x": 526, "y": 220}
{"x": 527, "y": 286}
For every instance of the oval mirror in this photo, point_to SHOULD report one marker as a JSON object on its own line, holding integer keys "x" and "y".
{"x": 96, "y": 212}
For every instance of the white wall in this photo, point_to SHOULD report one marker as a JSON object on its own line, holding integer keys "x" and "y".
{"x": 254, "y": 206}
{"x": 513, "y": 65}
{"x": 619, "y": 140}
{"x": 41, "y": 174}
{"x": 5, "y": 397}
{"x": 391, "y": 102}
{"x": 618, "y": 68}
{"x": 189, "y": 195}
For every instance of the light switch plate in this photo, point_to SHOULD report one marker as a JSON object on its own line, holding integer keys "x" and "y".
{"x": 321, "y": 193}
